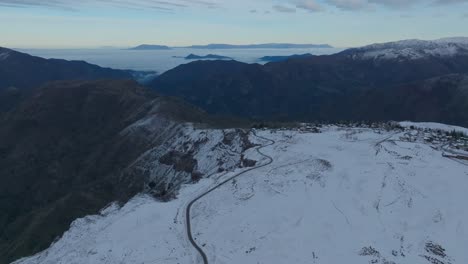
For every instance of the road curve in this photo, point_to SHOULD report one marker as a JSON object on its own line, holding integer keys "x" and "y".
{"x": 189, "y": 206}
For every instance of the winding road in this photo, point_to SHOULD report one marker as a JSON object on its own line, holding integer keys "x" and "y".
{"x": 189, "y": 207}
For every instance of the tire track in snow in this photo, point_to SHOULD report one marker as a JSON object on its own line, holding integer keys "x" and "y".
{"x": 190, "y": 205}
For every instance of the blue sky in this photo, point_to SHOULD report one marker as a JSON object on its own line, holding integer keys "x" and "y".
{"x": 342, "y": 23}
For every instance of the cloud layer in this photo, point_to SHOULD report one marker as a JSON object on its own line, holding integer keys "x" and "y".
{"x": 168, "y": 5}
{"x": 395, "y": 4}
{"x": 284, "y": 6}
{"x": 355, "y": 5}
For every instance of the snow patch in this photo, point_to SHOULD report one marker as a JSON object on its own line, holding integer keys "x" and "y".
{"x": 4, "y": 55}
{"x": 183, "y": 153}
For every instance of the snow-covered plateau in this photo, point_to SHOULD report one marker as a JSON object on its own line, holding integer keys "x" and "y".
{"x": 345, "y": 195}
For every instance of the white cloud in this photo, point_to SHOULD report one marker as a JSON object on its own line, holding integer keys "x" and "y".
{"x": 309, "y": 5}
{"x": 370, "y": 4}
{"x": 447, "y": 2}
{"x": 284, "y": 9}
{"x": 349, "y": 4}
{"x": 168, "y": 5}
{"x": 284, "y": 6}
{"x": 395, "y": 4}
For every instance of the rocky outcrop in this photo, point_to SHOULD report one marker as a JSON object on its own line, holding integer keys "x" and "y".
{"x": 189, "y": 156}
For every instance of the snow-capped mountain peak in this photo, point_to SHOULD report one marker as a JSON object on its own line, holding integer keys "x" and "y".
{"x": 411, "y": 49}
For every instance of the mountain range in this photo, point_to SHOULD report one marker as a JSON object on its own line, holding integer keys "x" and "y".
{"x": 342, "y": 86}
{"x": 350, "y": 85}
{"x": 74, "y": 143}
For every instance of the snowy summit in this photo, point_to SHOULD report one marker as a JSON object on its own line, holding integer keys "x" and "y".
{"x": 412, "y": 49}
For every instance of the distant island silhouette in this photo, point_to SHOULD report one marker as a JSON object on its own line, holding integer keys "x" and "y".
{"x": 150, "y": 47}
{"x": 205, "y": 57}
{"x": 232, "y": 46}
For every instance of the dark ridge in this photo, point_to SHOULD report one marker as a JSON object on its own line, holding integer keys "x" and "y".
{"x": 323, "y": 88}
{"x": 21, "y": 70}
{"x": 283, "y": 58}
{"x": 63, "y": 156}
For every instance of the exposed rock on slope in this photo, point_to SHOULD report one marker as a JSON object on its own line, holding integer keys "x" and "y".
{"x": 189, "y": 157}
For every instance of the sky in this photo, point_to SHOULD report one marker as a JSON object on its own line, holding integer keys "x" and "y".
{"x": 124, "y": 23}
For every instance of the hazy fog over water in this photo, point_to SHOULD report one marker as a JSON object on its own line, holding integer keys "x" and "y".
{"x": 163, "y": 60}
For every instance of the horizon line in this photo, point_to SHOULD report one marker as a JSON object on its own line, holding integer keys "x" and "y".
{"x": 220, "y": 43}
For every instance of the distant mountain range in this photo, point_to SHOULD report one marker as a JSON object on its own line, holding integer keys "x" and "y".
{"x": 414, "y": 80}
{"x": 231, "y": 46}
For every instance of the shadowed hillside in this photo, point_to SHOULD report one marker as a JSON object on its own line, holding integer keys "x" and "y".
{"x": 64, "y": 155}
{"x": 351, "y": 85}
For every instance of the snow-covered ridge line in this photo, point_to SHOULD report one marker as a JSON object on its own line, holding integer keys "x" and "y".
{"x": 411, "y": 49}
